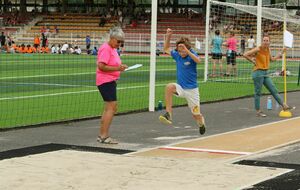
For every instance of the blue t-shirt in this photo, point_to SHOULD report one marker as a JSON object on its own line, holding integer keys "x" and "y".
{"x": 217, "y": 44}
{"x": 186, "y": 70}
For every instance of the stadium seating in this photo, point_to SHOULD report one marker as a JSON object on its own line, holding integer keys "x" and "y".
{"x": 67, "y": 28}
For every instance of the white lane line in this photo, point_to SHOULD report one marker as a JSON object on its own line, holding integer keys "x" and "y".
{"x": 205, "y": 150}
{"x": 173, "y": 138}
{"x": 71, "y": 74}
{"x": 47, "y": 84}
{"x": 51, "y": 75}
{"x": 68, "y": 93}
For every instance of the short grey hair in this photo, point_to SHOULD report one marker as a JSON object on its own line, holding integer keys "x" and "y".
{"x": 116, "y": 32}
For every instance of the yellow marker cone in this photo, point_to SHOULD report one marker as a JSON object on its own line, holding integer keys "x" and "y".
{"x": 285, "y": 114}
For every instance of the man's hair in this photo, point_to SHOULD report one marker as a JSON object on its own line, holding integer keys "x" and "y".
{"x": 116, "y": 32}
{"x": 184, "y": 40}
{"x": 217, "y": 32}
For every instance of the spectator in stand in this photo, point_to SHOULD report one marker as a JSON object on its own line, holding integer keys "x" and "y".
{"x": 134, "y": 23}
{"x": 45, "y": 49}
{"x": 168, "y": 7}
{"x": 9, "y": 40}
{"x": 53, "y": 49}
{"x": 120, "y": 49}
{"x": 251, "y": 42}
{"x": 162, "y": 5}
{"x": 64, "y": 48}
{"x": 10, "y": 47}
{"x": 88, "y": 44}
{"x": 36, "y": 41}
{"x": 39, "y": 49}
{"x": 243, "y": 44}
{"x": 34, "y": 49}
{"x": 56, "y": 30}
{"x": 47, "y": 32}
{"x": 120, "y": 17}
{"x": 95, "y": 51}
{"x": 2, "y": 39}
{"x": 77, "y": 50}
{"x": 29, "y": 49}
{"x": 71, "y": 49}
{"x": 22, "y": 49}
{"x": 43, "y": 30}
{"x": 58, "y": 49}
{"x": 102, "y": 21}
{"x": 44, "y": 40}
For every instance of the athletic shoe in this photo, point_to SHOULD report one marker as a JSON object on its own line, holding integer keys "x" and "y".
{"x": 287, "y": 108}
{"x": 166, "y": 118}
{"x": 261, "y": 114}
{"x": 107, "y": 140}
{"x": 201, "y": 128}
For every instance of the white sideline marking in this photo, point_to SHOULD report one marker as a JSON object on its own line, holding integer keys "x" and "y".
{"x": 44, "y": 95}
{"x": 51, "y": 75}
{"x": 172, "y": 138}
{"x": 86, "y": 73}
{"x": 48, "y": 84}
{"x": 205, "y": 150}
{"x": 64, "y": 93}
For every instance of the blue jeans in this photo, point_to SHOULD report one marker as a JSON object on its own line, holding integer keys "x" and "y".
{"x": 260, "y": 77}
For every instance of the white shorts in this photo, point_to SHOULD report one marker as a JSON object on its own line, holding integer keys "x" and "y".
{"x": 192, "y": 97}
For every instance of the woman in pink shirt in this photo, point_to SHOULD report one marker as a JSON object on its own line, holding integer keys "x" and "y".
{"x": 109, "y": 67}
{"x": 231, "y": 44}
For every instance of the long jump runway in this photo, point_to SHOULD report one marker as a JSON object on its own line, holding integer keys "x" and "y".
{"x": 234, "y": 144}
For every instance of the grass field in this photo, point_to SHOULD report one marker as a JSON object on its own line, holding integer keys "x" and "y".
{"x": 47, "y": 88}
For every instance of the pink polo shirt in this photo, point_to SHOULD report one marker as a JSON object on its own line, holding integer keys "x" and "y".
{"x": 232, "y": 43}
{"x": 108, "y": 56}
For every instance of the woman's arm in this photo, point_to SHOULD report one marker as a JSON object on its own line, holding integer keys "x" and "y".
{"x": 279, "y": 55}
{"x": 106, "y": 68}
{"x": 249, "y": 55}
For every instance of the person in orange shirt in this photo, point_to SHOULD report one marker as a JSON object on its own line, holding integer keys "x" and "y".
{"x": 29, "y": 49}
{"x": 38, "y": 49}
{"x": 33, "y": 49}
{"x": 25, "y": 50}
{"x": 22, "y": 49}
{"x": 36, "y": 42}
{"x": 45, "y": 49}
{"x": 14, "y": 46}
{"x": 18, "y": 49}
{"x": 261, "y": 57}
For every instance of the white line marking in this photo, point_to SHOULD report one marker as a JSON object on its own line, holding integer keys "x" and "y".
{"x": 71, "y": 74}
{"x": 48, "y": 84}
{"x": 51, "y": 75}
{"x": 65, "y": 93}
{"x": 205, "y": 150}
{"x": 172, "y": 138}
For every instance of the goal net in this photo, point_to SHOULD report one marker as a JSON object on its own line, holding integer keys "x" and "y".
{"x": 241, "y": 21}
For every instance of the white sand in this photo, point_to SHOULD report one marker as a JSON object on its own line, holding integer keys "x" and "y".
{"x": 88, "y": 171}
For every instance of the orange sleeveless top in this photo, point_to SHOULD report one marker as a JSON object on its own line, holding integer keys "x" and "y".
{"x": 262, "y": 59}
